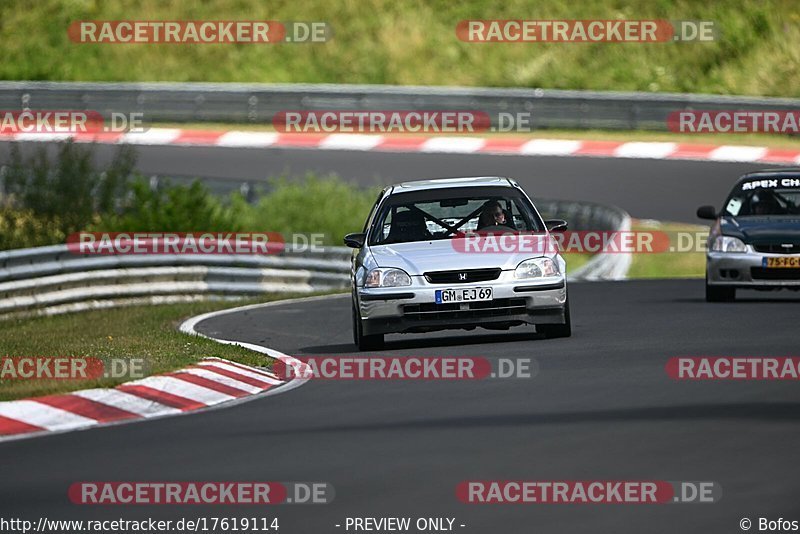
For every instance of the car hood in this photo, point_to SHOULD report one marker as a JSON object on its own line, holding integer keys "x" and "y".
{"x": 449, "y": 254}
{"x": 779, "y": 229}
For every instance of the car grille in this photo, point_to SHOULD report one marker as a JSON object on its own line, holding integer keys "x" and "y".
{"x": 760, "y": 273}
{"x": 776, "y": 248}
{"x": 464, "y": 276}
{"x": 471, "y": 310}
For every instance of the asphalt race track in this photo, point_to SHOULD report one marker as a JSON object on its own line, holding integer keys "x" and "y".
{"x": 601, "y": 406}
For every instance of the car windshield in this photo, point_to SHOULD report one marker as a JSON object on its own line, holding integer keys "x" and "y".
{"x": 764, "y": 197}
{"x": 449, "y": 213}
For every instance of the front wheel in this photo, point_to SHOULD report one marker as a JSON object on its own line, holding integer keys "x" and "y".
{"x": 552, "y": 331}
{"x": 719, "y": 294}
{"x": 371, "y": 342}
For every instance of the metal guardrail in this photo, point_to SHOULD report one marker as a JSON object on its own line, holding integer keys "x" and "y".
{"x": 258, "y": 103}
{"x": 583, "y": 215}
{"x": 53, "y": 279}
{"x": 50, "y": 280}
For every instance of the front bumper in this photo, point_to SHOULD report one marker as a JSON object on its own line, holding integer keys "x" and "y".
{"x": 747, "y": 270}
{"x": 413, "y": 308}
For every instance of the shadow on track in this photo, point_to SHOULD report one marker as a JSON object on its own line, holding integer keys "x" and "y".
{"x": 427, "y": 342}
{"x": 740, "y": 300}
{"x": 788, "y": 412}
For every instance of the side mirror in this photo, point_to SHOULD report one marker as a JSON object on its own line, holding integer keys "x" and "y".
{"x": 355, "y": 240}
{"x": 556, "y": 225}
{"x": 707, "y": 212}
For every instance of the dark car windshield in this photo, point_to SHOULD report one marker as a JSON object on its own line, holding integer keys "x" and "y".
{"x": 764, "y": 197}
{"x": 448, "y": 213}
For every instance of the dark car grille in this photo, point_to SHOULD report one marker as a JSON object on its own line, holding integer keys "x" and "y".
{"x": 465, "y": 276}
{"x": 777, "y": 248}
{"x": 473, "y": 310}
{"x": 760, "y": 273}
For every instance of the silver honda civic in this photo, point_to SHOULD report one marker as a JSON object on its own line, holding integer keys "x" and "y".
{"x": 456, "y": 253}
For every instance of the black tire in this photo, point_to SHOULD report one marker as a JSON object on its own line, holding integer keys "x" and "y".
{"x": 371, "y": 342}
{"x": 354, "y": 321}
{"x": 552, "y": 331}
{"x": 719, "y": 294}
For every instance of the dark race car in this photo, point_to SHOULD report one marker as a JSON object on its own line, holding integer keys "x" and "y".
{"x": 754, "y": 242}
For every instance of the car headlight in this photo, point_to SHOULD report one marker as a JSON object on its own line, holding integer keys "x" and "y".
{"x": 536, "y": 268}
{"x": 724, "y": 243}
{"x": 387, "y": 278}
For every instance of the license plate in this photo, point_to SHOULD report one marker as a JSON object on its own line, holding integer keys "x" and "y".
{"x": 781, "y": 263}
{"x": 463, "y": 294}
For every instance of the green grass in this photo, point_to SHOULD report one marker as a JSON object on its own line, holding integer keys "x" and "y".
{"x": 668, "y": 264}
{"x": 326, "y": 205}
{"x": 146, "y": 332}
{"x": 414, "y": 42}
{"x": 575, "y": 261}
